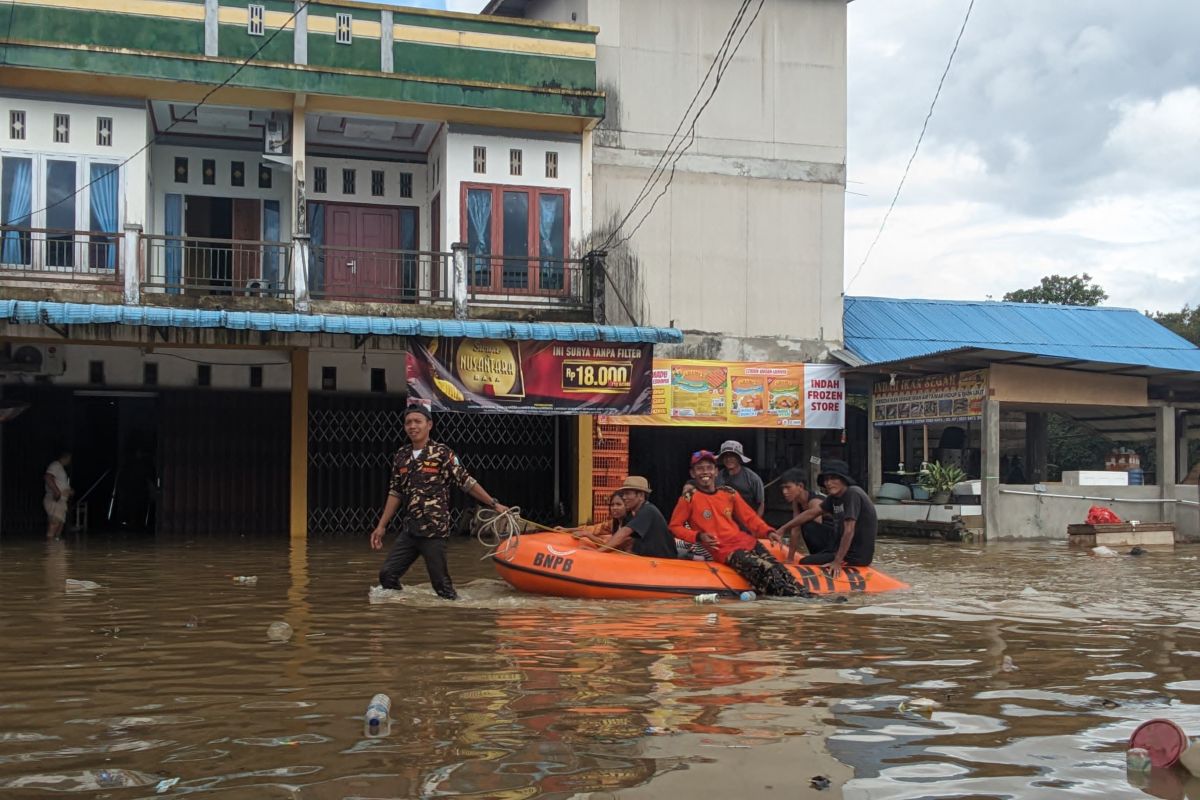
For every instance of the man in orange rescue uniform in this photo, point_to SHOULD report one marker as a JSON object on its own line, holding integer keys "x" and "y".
{"x": 711, "y": 515}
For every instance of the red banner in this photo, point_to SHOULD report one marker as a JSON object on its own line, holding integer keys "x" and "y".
{"x": 458, "y": 374}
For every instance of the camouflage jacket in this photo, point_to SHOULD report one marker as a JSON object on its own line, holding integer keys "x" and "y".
{"x": 423, "y": 486}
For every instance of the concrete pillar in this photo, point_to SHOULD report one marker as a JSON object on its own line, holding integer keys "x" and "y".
{"x": 1037, "y": 447}
{"x": 458, "y": 283}
{"x": 387, "y": 41}
{"x": 301, "y": 243}
{"x": 990, "y": 462}
{"x": 131, "y": 262}
{"x": 212, "y": 28}
{"x": 1165, "y": 442}
{"x": 300, "y": 40}
{"x": 1182, "y": 466}
{"x": 874, "y": 458}
{"x": 583, "y": 470}
{"x": 298, "y": 496}
{"x": 594, "y": 272}
{"x": 301, "y": 248}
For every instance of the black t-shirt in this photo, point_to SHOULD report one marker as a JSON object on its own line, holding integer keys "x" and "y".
{"x": 854, "y": 504}
{"x": 651, "y": 536}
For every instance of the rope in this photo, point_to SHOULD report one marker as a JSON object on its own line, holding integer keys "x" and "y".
{"x": 499, "y": 530}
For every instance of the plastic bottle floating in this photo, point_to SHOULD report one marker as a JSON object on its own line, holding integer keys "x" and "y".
{"x": 701, "y": 599}
{"x": 378, "y": 711}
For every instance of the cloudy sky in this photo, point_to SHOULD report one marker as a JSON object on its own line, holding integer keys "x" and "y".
{"x": 1066, "y": 139}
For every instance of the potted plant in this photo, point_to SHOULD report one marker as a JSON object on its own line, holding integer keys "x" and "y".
{"x": 939, "y": 479}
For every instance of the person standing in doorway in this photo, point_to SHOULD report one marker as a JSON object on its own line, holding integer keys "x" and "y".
{"x": 420, "y": 486}
{"x": 736, "y": 475}
{"x": 58, "y": 494}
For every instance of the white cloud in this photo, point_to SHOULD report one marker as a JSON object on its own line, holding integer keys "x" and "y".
{"x": 1066, "y": 139}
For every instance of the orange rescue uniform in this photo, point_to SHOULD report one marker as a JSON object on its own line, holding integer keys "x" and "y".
{"x": 718, "y": 513}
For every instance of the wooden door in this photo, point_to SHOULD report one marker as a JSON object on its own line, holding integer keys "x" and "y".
{"x": 247, "y": 227}
{"x": 340, "y": 235}
{"x": 379, "y": 269}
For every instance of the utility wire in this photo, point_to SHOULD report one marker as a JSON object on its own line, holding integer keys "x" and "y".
{"x": 245, "y": 63}
{"x": 920, "y": 137}
{"x": 692, "y": 131}
{"x": 656, "y": 172}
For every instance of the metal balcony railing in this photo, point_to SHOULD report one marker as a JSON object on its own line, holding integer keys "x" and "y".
{"x": 48, "y": 254}
{"x": 193, "y": 265}
{"x": 536, "y": 281}
{"x": 385, "y": 276}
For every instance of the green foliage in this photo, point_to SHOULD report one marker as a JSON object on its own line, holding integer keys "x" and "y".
{"x": 1068, "y": 290}
{"x": 1186, "y": 323}
{"x": 939, "y": 477}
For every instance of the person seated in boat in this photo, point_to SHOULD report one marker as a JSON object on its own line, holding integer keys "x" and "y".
{"x": 601, "y": 532}
{"x": 715, "y": 517}
{"x": 644, "y": 524}
{"x": 809, "y": 518}
{"x": 854, "y": 521}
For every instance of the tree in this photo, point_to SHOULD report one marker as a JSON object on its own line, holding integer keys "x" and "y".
{"x": 1186, "y": 323}
{"x": 1068, "y": 290}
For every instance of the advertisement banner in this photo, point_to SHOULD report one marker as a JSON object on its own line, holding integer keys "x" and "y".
{"x": 459, "y": 374}
{"x": 745, "y": 395}
{"x": 957, "y": 397}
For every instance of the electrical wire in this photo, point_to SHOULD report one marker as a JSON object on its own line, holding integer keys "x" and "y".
{"x": 245, "y": 63}
{"x": 916, "y": 148}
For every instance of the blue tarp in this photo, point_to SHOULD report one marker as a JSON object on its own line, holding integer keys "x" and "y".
{"x": 28, "y": 312}
{"x": 882, "y": 330}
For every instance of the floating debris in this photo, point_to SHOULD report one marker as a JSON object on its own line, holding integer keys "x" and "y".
{"x": 81, "y": 586}
{"x": 279, "y": 631}
{"x": 819, "y": 782}
{"x": 1007, "y": 665}
{"x": 248, "y": 580}
{"x": 1104, "y": 552}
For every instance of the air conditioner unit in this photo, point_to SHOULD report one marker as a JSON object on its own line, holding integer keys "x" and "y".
{"x": 274, "y": 136}
{"x": 32, "y": 359}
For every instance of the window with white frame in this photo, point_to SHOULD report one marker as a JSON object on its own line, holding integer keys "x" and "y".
{"x": 254, "y": 19}
{"x": 517, "y": 237}
{"x": 60, "y": 214}
{"x": 16, "y": 124}
{"x": 344, "y": 30}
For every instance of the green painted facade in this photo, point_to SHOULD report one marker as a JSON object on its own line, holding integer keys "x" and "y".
{"x": 156, "y": 45}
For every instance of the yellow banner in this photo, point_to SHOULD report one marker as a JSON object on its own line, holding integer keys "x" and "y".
{"x": 744, "y": 394}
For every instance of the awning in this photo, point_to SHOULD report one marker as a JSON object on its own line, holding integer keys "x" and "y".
{"x": 24, "y": 312}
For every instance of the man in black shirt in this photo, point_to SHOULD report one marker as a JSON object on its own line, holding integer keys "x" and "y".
{"x": 853, "y": 514}
{"x": 643, "y": 521}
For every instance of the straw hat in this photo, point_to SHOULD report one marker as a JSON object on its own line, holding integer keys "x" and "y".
{"x": 637, "y": 483}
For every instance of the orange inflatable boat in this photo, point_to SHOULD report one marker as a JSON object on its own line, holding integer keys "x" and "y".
{"x": 559, "y": 565}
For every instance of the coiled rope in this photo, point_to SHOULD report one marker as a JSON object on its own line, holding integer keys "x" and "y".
{"x": 499, "y": 530}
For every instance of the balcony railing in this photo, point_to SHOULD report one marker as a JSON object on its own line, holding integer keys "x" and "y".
{"x": 505, "y": 280}
{"x": 48, "y": 254}
{"x": 384, "y": 276}
{"x": 196, "y": 266}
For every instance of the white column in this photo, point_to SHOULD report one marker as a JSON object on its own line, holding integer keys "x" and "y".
{"x": 300, "y": 241}
{"x": 131, "y": 262}
{"x": 387, "y": 40}
{"x": 212, "y": 28}
{"x": 458, "y": 287}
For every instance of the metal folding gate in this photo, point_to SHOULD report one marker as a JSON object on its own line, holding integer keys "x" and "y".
{"x": 353, "y": 439}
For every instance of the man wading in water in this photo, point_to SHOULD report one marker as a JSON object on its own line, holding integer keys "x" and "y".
{"x": 421, "y": 478}
{"x": 711, "y": 516}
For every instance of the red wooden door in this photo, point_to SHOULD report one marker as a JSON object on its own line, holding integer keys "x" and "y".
{"x": 360, "y": 259}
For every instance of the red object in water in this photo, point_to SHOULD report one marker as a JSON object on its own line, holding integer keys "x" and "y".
{"x": 1099, "y": 515}
{"x": 1162, "y": 739}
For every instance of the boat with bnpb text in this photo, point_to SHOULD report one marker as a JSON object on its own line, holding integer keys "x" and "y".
{"x": 560, "y": 565}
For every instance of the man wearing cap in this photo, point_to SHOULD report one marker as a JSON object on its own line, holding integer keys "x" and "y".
{"x": 853, "y": 516}
{"x": 735, "y": 474}
{"x": 643, "y": 521}
{"x": 421, "y": 477}
{"x": 716, "y": 516}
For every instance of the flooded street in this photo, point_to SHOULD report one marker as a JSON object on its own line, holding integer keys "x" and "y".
{"x": 165, "y": 672}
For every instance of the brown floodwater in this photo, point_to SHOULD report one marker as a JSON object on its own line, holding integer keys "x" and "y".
{"x": 165, "y": 671}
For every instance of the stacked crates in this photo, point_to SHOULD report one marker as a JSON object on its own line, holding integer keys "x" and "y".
{"x": 610, "y": 464}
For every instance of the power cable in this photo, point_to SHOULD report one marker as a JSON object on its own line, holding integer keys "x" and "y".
{"x": 920, "y": 137}
{"x": 692, "y": 131}
{"x": 667, "y": 150}
{"x": 245, "y": 63}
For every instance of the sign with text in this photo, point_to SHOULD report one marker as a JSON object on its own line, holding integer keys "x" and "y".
{"x": 957, "y": 397}
{"x": 745, "y": 394}
{"x": 459, "y": 374}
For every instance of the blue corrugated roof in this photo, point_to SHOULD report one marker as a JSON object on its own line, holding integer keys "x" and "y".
{"x": 881, "y": 330}
{"x": 28, "y": 312}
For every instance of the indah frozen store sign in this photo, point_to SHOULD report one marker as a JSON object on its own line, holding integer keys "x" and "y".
{"x": 459, "y": 374}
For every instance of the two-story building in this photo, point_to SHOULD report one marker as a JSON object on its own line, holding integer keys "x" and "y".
{"x": 222, "y": 219}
